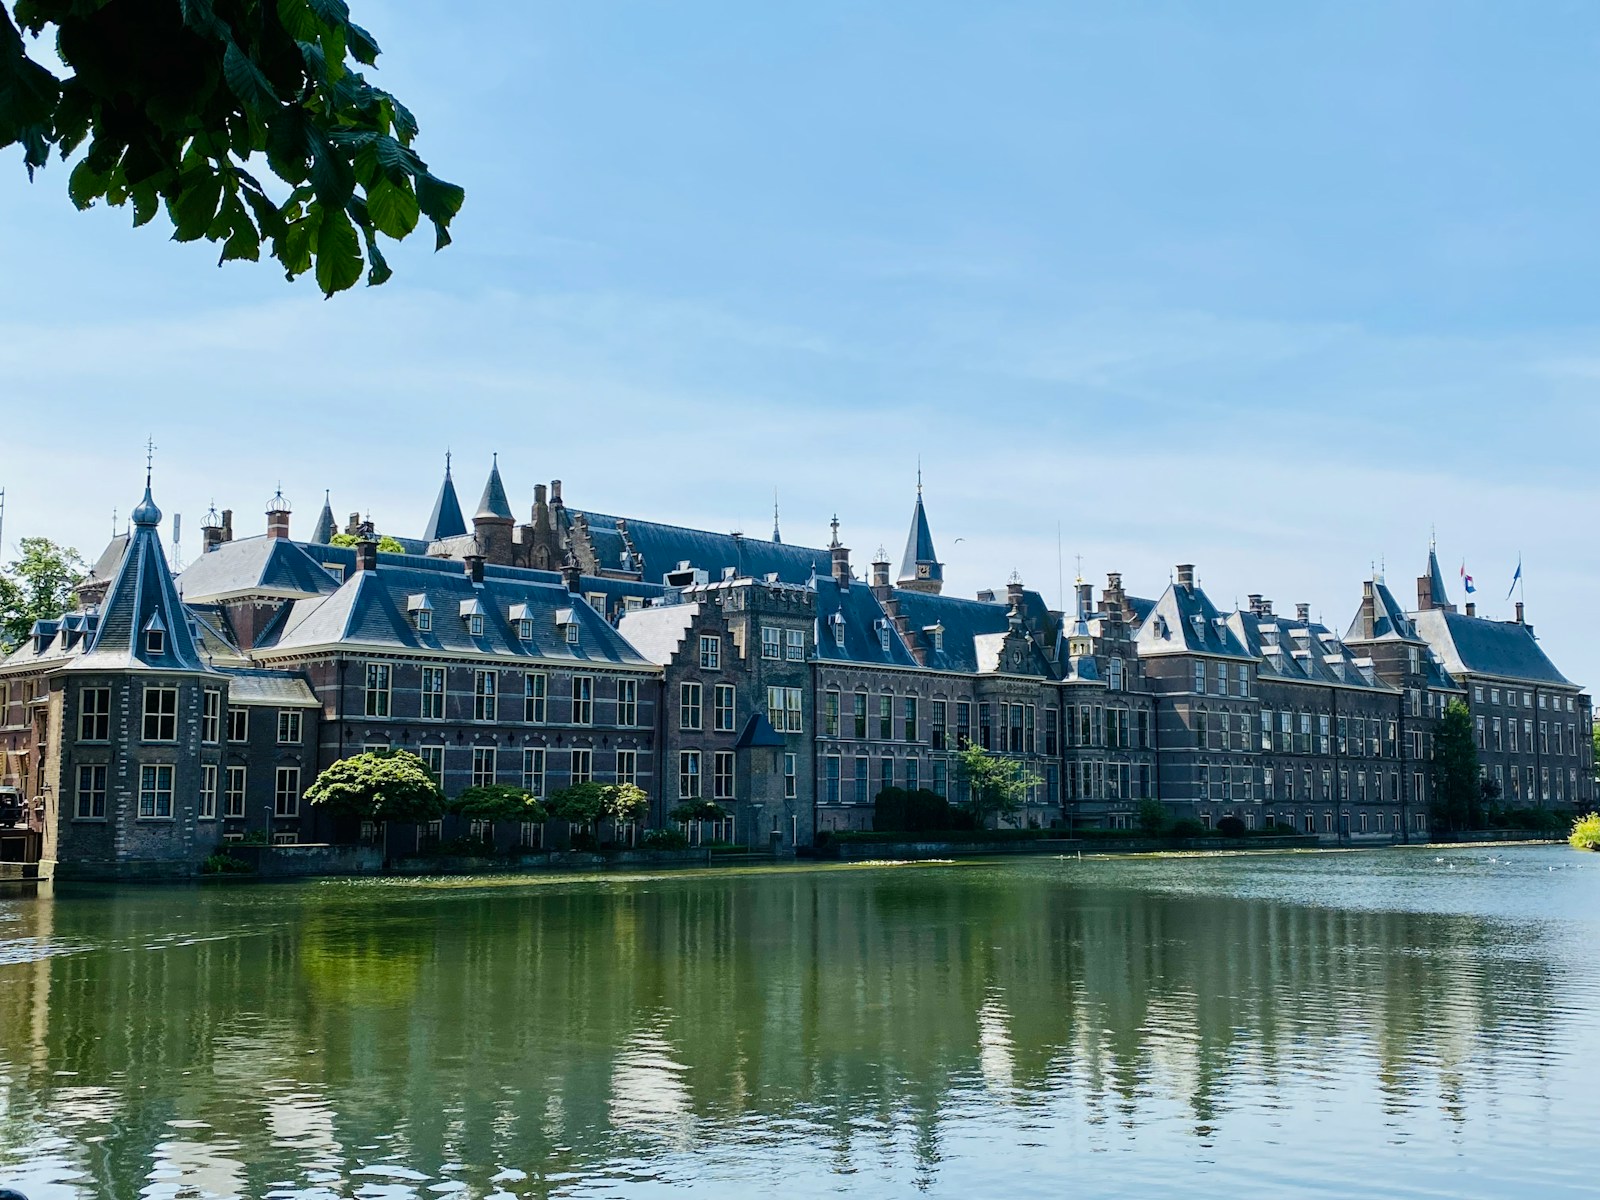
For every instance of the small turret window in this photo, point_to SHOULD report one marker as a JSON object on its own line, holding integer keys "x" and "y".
{"x": 155, "y": 642}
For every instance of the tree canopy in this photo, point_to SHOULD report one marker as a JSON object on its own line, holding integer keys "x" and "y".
{"x": 1457, "y": 789}
{"x": 36, "y": 587}
{"x": 997, "y": 786}
{"x": 182, "y": 102}
{"x": 580, "y": 804}
{"x": 499, "y": 802}
{"x": 697, "y": 810}
{"x": 386, "y": 543}
{"x": 378, "y": 785}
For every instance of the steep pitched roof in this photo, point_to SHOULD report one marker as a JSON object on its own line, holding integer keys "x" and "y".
{"x": 662, "y": 547}
{"x": 1298, "y": 651}
{"x": 919, "y": 547}
{"x": 326, "y": 526}
{"x": 858, "y": 613}
{"x": 1389, "y": 619}
{"x": 1184, "y": 621}
{"x": 494, "y": 502}
{"x": 963, "y": 622}
{"x": 260, "y": 566}
{"x": 1436, "y": 580}
{"x": 1475, "y": 645}
{"x": 446, "y": 520}
{"x": 656, "y": 633}
{"x": 142, "y": 599}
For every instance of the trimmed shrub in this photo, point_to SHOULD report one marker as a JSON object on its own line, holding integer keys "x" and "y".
{"x": 663, "y": 839}
{"x": 1232, "y": 827}
{"x": 1585, "y": 833}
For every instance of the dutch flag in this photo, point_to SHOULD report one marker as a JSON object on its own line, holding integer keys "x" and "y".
{"x": 1466, "y": 580}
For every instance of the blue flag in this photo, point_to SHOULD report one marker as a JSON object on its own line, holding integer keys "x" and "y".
{"x": 1515, "y": 579}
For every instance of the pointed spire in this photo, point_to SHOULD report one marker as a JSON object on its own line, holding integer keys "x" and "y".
{"x": 776, "y": 536}
{"x": 1436, "y": 578}
{"x": 322, "y": 535}
{"x": 920, "y": 568}
{"x": 494, "y": 504}
{"x": 446, "y": 521}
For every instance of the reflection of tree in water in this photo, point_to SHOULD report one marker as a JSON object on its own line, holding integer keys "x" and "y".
{"x": 551, "y": 1027}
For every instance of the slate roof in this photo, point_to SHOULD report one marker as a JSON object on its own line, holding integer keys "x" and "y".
{"x": 1436, "y": 580}
{"x": 1389, "y": 619}
{"x": 662, "y": 547}
{"x": 110, "y": 558}
{"x": 372, "y": 608}
{"x": 1184, "y": 621}
{"x": 493, "y": 502}
{"x": 1478, "y": 646}
{"x": 861, "y": 614}
{"x": 278, "y": 689}
{"x": 326, "y": 526}
{"x": 758, "y": 732}
{"x": 919, "y": 547}
{"x": 142, "y": 598}
{"x": 964, "y": 621}
{"x": 1296, "y": 651}
{"x": 657, "y": 632}
{"x": 446, "y": 520}
{"x": 262, "y": 565}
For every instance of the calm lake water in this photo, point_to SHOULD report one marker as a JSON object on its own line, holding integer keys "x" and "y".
{"x": 1406, "y": 1022}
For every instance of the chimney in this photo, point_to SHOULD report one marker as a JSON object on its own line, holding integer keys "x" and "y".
{"x": 1472, "y": 608}
{"x": 211, "y": 532}
{"x": 1255, "y": 603}
{"x": 1424, "y": 593}
{"x": 880, "y": 574}
{"x": 1520, "y": 621}
{"x": 278, "y": 517}
{"x": 474, "y": 566}
{"x": 555, "y": 492}
{"x": 1186, "y": 576}
{"x": 1302, "y": 612}
{"x": 227, "y": 524}
{"x": 572, "y": 576}
{"x": 367, "y": 550}
{"x": 353, "y": 525}
{"x": 841, "y": 557}
{"x": 1266, "y": 607}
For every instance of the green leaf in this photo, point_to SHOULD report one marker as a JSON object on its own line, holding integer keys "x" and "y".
{"x": 331, "y": 173}
{"x": 316, "y": 63}
{"x": 331, "y": 12}
{"x": 293, "y": 250}
{"x": 363, "y": 47}
{"x": 146, "y": 203}
{"x": 85, "y": 185}
{"x": 247, "y": 82}
{"x": 379, "y": 271}
{"x": 398, "y": 163}
{"x": 299, "y": 22}
{"x": 243, "y": 242}
{"x": 194, "y": 206}
{"x": 338, "y": 253}
{"x": 439, "y": 201}
{"x": 392, "y": 207}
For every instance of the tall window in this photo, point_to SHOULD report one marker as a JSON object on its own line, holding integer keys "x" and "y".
{"x": 710, "y": 653}
{"x": 783, "y": 709}
{"x": 628, "y": 766}
{"x": 161, "y": 722}
{"x": 885, "y": 718}
{"x": 722, "y": 775}
{"x": 155, "y": 791}
{"x": 858, "y": 713}
{"x": 885, "y": 772}
{"x": 433, "y": 693}
{"x": 910, "y": 718}
{"x": 627, "y": 702}
{"x": 535, "y": 700}
{"x": 583, "y": 700}
{"x": 941, "y": 778}
{"x": 377, "y": 692}
{"x": 233, "y": 794}
{"x": 289, "y": 726}
{"x": 1200, "y": 678}
{"x": 963, "y": 723}
{"x": 985, "y": 728}
{"x": 689, "y": 706}
{"x": 795, "y": 650}
{"x": 830, "y": 714}
{"x": 211, "y": 716}
{"x": 913, "y": 775}
{"x": 485, "y": 685}
{"x": 1114, "y": 675}
{"x": 533, "y": 770}
{"x": 208, "y": 792}
{"x": 830, "y": 779}
{"x": 689, "y": 774}
{"x": 771, "y": 642}
{"x": 581, "y": 769}
{"x": 286, "y": 792}
{"x": 433, "y": 758}
{"x": 238, "y": 724}
{"x": 791, "y": 784}
{"x": 92, "y": 792}
{"x": 483, "y": 766}
{"x": 723, "y": 697}
{"x": 859, "y": 795}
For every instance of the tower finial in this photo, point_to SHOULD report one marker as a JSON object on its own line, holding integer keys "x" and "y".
{"x": 834, "y": 525}
{"x": 447, "y": 462}
{"x": 919, "y": 474}
{"x": 776, "y": 536}
{"x": 149, "y": 459}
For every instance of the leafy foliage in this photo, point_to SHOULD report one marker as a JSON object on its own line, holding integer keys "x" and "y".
{"x": 379, "y": 785}
{"x": 626, "y": 802}
{"x": 1457, "y": 789}
{"x": 175, "y": 98}
{"x": 498, "y": 802}
{"x": 36, "y": 587}
{"x": 1232, "y": 827}
{"x": 697, "y": 810}
{"x": 1585, "y": 833}
{"x": 663, "y": 839}
{"x": 580, "y": 804}
{"x": 917, "y": 811}
{"x": 386, "y": 543}
{"x": 1153, "y": 818}
{"x": 998, "y": 786}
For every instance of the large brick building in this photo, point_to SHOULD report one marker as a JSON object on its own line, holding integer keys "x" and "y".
{"x": 167, "y": 715}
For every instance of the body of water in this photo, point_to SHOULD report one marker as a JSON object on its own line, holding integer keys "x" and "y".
{"x": 1396, "y": 1023}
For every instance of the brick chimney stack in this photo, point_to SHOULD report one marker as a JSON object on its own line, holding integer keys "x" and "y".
{"x": 572, "y": 576}
{"x": 1520, "y": 618}
{"x": 278, "y": 516}
{"x": 841, "y": 558}
{"x": 1186, "y": 576}
{"x": 367, "y": 548}
{"x": 1302, "y": 612}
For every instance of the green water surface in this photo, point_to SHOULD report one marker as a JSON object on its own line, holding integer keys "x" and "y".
{"x": 1404, "y": 1022}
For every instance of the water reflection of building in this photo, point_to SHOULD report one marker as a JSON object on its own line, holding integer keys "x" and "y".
{"x": 841, "y": 1008}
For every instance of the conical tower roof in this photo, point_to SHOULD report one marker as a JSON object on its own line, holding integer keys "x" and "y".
{"x": 494, "y": 503}
{"x": 920, "y": 565}
{"x": 326, "y": 528}
{"x": 446, "y": 521}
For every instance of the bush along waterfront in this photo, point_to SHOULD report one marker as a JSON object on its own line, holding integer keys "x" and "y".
{"x": 1585, "y": 833}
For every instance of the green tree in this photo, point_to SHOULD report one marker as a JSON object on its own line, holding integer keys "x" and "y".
{"x": 997, "y": 786}
{"x": 36, "y": 587}
{"x": 170, "y": 99}
{"x": 379, "y": 785}
{"x": 626, "y": 802}
{"x": 697, "y": 810}
{"x": 499, "y": 802}
{"x": 1457, "y": 789}
{"x": 580, "y": 804}
{"x": 1153, "y": 818}
{"x": 386, "y": 543}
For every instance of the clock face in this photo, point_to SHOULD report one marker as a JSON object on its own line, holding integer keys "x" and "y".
{"x": 922, "y": 570}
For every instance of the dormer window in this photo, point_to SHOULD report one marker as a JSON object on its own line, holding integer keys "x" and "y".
{"x": 155, "y": 642}
{"x": 424, "y": 618}
{"x": 572, "y": 634}
{"x": 883, "y": 636}
{"x": 837, "y": 621}
{"x": 936, "y": 635}
{"x": 421, "y": 610}
{"x": 567, "y": 622}
{"x": 525, "y": 631}
{"x": 472, "y": 614}
{"x": 522, "y": 620}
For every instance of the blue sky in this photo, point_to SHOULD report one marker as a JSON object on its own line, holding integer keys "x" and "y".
{"x": 1269, "y": 288}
